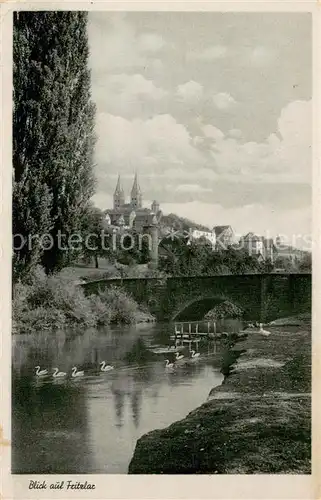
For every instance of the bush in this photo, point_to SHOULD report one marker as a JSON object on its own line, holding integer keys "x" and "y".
{"x": 53, "y": 302}
{"x": 223, "y": 310}
{"x": 122, "y": 307}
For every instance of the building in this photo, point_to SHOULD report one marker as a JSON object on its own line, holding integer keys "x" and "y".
{"x": 258, "y": 246}
{"x": 224, "y": 237}
{"x": 209, "y": 235}
{"x": 253, "y": 244}
{"x": 131, "y": 215}
{"x": 269, "y": 249}
{"x": 287, "y": 252}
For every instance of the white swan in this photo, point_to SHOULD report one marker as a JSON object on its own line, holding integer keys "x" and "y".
{"x": 75, "y": 373}
{"x": 250, "y": 325}
{"x": 195, "y": 354}
{"x": 40, "y": 373}
{"x": 168, "y": 364}
{"x": 179, "y": 356}
{"x": 264, "y": 332}
{"x": 104, "y": 367}
{"x": 58, "y": 374}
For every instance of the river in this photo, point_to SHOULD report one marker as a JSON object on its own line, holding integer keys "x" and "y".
{"x": 91, "y": 425}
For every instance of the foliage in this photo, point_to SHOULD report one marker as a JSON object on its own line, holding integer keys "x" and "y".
{"x": 132, "y": 249}
{"x": 306, "y": 263}
{"x": 223, "y": 310}
{"x": 286, "y": 263}
{"x": 97, "y": 242}
{"x": 53, "y": 132}
{"x": 52, "y": 302}
{"x": 198, "y": 257}
{"x": 120, "y": 307}
{"x": 267, "y": 266}
{"x": 181, "y": 223}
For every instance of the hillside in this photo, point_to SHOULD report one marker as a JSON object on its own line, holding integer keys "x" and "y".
{"x": 176, "y": 222}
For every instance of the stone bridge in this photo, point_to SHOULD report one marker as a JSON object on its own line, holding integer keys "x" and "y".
{"x": 261, "y": 296}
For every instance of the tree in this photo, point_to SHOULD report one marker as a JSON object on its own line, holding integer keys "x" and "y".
{"x": 267, "y": 266}
{"x": 53, "y": 132}
{"x": 96, "y": 242}
{"x": 306, "y": 263}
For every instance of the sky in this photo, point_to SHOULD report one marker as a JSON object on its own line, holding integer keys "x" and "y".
{"x": 213, "y": 110}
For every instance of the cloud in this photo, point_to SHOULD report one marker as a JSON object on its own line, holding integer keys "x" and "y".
{"x": 235, "y": 133}
{"x": 284, "y": 157}
{"x": 191, "y": 188}
{"x": 127, "y": 94}
{"x": 223, "y": 100}
{"x": 190, "y": 92}
{"x": 262, "y": 220}
{"x": 209, "y": 53}
{"x": 260, "y": 56}
{"x": 193, "y": 94}
{"x": 144, "y": 144}
{"x": 116, "y": 45}
{"x": 150, "y": 42}
{"x": 212, "y": 132}
{"x": 130, "y": 86}
{"x": 163, "y": 149}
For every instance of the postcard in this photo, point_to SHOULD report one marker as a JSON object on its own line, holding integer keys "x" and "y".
{"x": 160, "y": 215}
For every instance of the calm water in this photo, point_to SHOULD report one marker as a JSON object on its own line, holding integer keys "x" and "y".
{"x": 91, "y": 425}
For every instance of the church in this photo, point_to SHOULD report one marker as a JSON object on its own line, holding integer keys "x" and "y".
{"x": 132, "y": 215}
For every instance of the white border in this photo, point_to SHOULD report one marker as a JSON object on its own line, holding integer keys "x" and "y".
{"x": 151, "y": 486}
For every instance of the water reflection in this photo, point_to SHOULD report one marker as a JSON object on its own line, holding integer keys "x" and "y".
{"x": 91, "y": 425}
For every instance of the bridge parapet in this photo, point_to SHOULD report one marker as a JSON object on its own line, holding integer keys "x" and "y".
{"x": 261, "y": 296}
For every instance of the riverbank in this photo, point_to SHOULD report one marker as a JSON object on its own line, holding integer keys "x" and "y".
{"x": 257, "y": 421}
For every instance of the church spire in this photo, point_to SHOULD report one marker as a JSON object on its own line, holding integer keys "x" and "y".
{"x": 119, "y": 190}
{"x": 119, "y": 196}
{"x": 136, "y": 194}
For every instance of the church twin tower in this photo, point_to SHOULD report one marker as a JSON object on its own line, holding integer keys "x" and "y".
{"x": 144, "y": 219}
{"x": 136, "y": 198}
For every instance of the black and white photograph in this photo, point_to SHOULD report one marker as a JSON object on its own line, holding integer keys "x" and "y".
{"x": 161, "y": 244}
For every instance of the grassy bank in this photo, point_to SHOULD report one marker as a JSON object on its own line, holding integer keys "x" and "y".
{"x": 257, "y": 421}
{"x": 55, "y": 302}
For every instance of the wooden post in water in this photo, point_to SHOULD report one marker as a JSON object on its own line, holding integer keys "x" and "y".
{"x": 214, "y": 324}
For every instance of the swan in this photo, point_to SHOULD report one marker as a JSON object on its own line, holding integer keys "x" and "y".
{"x": 76, "y": 374}
{"x": 168, "y": 364}
{"x": 105, "y": 368}
{"x": 195, "y": 354}
{"x": 179, "y": 356}
{"x": 250, "y": 325}
{"x": 58, "y": 374}
{"x": 40, "y": 373}
{"x": 264, "y": 332}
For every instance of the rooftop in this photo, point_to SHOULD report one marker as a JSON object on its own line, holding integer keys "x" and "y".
{"x": 220, "y": 229}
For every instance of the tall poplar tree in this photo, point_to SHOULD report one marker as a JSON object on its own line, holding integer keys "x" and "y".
{"x": 53, "y": 133}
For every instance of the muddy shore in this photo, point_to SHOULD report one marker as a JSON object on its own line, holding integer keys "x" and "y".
{"x": 257, "y": 421}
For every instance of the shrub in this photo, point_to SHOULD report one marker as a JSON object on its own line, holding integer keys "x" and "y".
{"x": 56, "y": 301}
{"x": 223, "y": 310}
{"x": 123, "y": 308}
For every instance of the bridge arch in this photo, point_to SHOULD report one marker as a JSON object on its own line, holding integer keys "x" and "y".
{"x": 196, "y": 308}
